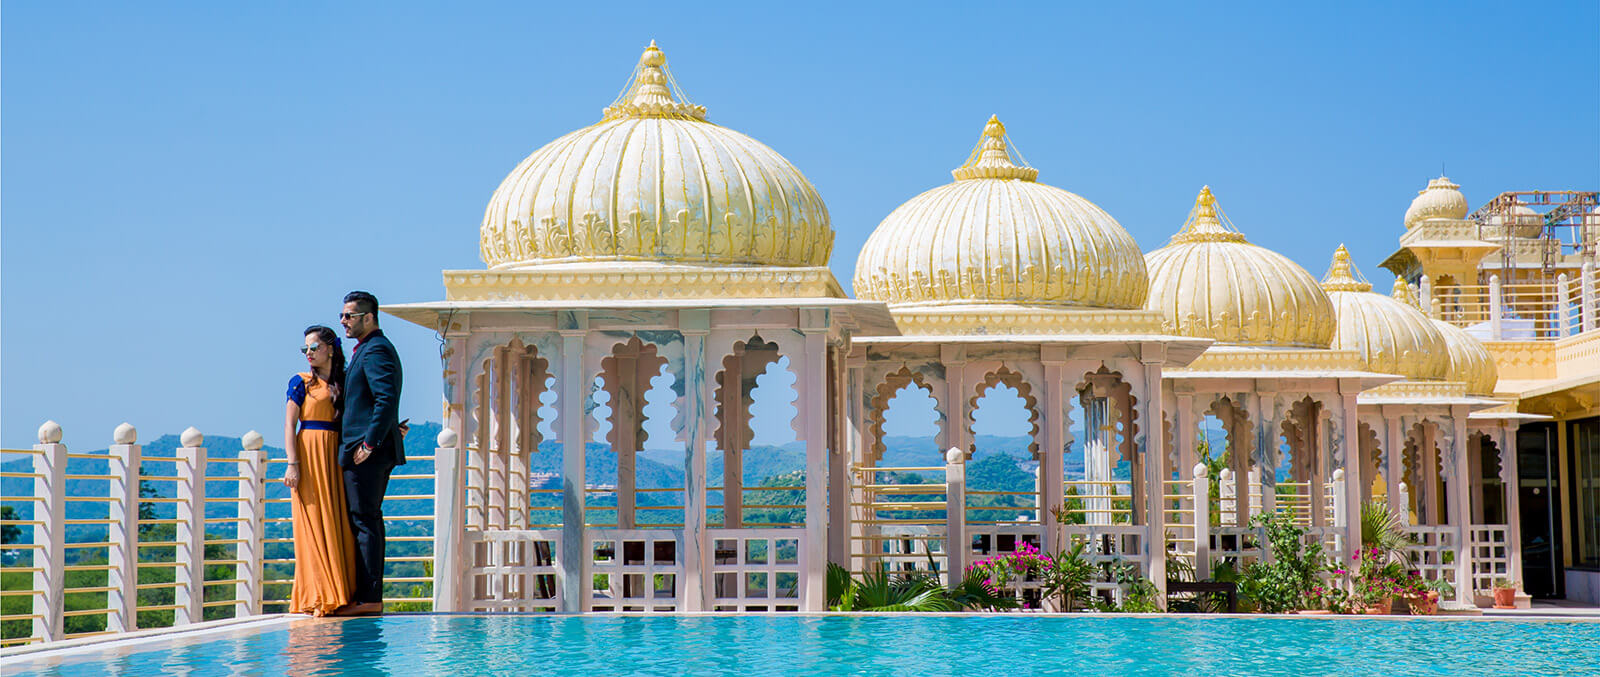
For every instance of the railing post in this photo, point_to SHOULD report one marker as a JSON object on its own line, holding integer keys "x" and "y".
{"x": 252, "y": 524}
{"x": 1563, "y": 307}
{"x": 1403, "y": 494}
{"x": 50, "y": 464}
{"x": 189, "y": 574}
{"x": 1201, "y": 488}
{"x": 1342, "y": 516}
{"x": 123, "y": 467}
{"x": 1425, "y": 297}
{"x": 449, "y": 524}
{"x": 1590, "y": 313}
{"x": 1228, "y": 498}
{"x": 955, "y": 542}
{"x": 1496, "y": 308}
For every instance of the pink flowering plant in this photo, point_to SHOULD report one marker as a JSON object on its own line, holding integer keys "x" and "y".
{"x": 1378, "y": 576}
{"x": 1063, "y": 576}
{"x": 1001, "y": 570}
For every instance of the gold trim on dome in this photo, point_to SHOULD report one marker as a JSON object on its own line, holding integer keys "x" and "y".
{"x": 1206, "y": 222}
{"x": 992, "y": 321}
{"x": 991, "y": 159}
{"x": 612, "y": 284}
{"x": 650, "y": 92}
{"x": 1342, "y": 275}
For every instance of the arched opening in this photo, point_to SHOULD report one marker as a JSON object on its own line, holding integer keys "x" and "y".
{"x": 1002, "y": 470}
{"x": 1488, "y": 494}
{"x": 1424, "y": 475}
{"x": 1300, "y": 481}
{"x": 755, "y": 412}
{"x": 895, "y": 526}
{"x": 1226, "y": 431}
{"x": 1112, "y": 489}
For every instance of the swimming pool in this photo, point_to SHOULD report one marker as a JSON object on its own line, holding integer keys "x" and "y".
{"x": 877, "y": 645}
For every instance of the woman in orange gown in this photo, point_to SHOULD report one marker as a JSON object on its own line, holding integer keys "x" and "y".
{"x": 324, "y": 549}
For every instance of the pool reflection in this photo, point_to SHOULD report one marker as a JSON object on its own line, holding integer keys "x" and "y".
{"x": 337, "y": 646}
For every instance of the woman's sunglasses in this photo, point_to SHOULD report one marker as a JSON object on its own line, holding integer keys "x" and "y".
{"x": 311, "y": 348}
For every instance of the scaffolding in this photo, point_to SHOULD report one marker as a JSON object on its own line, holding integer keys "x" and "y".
{"x": 1540, "y": 232}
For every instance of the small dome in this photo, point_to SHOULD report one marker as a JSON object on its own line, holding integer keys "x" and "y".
{"x": 997, "y": 236}
{"x": 1211, "y": 283}
{"x": 1392, "y": 336}
{"x": 1440, "y": 200}
{"x": 1523, "y": 222}
{"x": 1470, "y": 361}
{"x": 653, "y": 181}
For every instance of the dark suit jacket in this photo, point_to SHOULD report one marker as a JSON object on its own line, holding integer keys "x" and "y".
{"x": 372, "y": 403}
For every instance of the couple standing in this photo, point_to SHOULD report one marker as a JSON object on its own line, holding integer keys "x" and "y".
{"x": 343, "y": 436}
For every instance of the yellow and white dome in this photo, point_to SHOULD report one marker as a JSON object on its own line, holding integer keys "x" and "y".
{"x": 653, "y": 181}
{"x": 1211, "y": 283}
{"x": 1523, "y": 221}
{"x": 1470, "y": 361}
{"x": 997, "y": 236}
{"x": 1392, "y": 337}
{"x": 1440, "y": 200}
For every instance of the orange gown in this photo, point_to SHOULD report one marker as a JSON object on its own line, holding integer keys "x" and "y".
{"x": 324, "y": 549}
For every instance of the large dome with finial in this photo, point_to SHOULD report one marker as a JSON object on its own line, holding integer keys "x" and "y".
{"x": 654, "y": 182}
{"x": 1212, "y": 283}
{"x": 1393, "y": 337}
{"x": 996, "y": 236}
{"x": 1470, "y": 361}
{"x": 1440, "y": 200}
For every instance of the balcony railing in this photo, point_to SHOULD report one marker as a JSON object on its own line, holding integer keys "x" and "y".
{"x": 118, "y": 540}
{"x": 1531, "y": 311}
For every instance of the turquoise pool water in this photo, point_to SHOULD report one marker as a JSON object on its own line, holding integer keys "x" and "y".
{"x": 412, "y": 646}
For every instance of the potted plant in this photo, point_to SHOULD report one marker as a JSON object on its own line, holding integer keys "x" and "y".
{"x": 1377, "y": 580}
{"x": 1424, "y": 594}
{"x": 1505, "y": 593}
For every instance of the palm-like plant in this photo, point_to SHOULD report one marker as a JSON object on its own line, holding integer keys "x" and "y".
{"x": 1381, "y": 529}
{"x": 880, "y": 591}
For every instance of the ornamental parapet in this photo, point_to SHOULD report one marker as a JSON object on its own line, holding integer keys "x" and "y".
{"x": 617, "y": 283}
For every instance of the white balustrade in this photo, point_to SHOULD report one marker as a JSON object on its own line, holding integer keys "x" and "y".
{"x": 123, "y": 468}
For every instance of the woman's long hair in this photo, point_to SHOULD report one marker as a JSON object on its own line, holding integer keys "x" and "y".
{"x": 327, "y": 337}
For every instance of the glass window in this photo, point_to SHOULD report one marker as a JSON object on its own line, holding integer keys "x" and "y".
{"x": 1585, "y": 445}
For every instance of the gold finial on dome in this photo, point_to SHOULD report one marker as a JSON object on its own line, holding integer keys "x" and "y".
{"x": 1402, "y": 293}
{"x": 1342, "y": 274}
{"x": 650, "y": 92}
{"x": 991, "y": 158}
{"x": 1206, "y": 222}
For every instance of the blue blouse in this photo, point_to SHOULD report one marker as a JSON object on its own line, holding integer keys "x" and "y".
{"x": 297, "y": 390}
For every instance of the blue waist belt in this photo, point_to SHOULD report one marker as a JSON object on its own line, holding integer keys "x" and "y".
{"x": 318, "y": 425}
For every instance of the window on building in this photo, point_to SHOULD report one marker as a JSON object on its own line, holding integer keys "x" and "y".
{"x": 1585, "y": 445}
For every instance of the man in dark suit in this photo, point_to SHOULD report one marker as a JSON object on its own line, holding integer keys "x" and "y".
{"x": 371, "y": 442}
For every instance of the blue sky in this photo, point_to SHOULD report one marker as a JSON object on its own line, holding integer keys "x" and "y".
{"x": 186, "y": 186}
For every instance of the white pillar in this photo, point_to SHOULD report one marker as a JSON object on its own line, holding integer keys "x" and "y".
{"x": 1395, "y": 475}
{"x": 190, "y": 571}
{"x": 1425, "y": 297}
{"x": 450, "y": 557}
{"x": 698, "y": 394}
{"x": 956, "y": 544}
{"x": 574, "y": 388}
{"x": 1342, "y": 516}
{"x": 1228, "y": 498}
{"x": 123, "y": 468}
{"x": 1460, "y": 488}
{"x": 1201, "y": 488}
{"x": 1510, "y": 481}
{"x": 1353, "y": 464}
{"x": 252, "y": 518}
{"x": 1402, "y": 493}
{"x": 813, "y": 391}
{"x": 49, "y": 486}
{"x": 1051, "y": 462}
{"x": 1265, "y": 480}
{"x": 1496, "y": 308}
{"x": 1155, "y": 477}
{"x": 839, "y": 460}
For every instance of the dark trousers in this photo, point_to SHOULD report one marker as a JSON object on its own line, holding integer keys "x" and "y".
{"x": 364, "y": 486}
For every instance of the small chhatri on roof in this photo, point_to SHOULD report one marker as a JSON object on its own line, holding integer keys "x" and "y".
{"x": 1342, "y": 274}
{"x": 650, "y": 92}
{"x": 1206, "y": 222}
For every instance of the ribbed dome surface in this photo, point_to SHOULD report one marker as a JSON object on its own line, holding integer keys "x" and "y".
{"x": 1211, "y": 283}
{"x": 653, "y": 181}
{"x": 1470, "y": 361}
{"x": 1440, "y": 200}
{"x": 1392, "y": 337}
{"x": 996, "y": 236}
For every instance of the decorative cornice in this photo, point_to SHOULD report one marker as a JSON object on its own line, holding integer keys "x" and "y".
{"x": 632, "y": 285}
{"x": 1417, "y": 390}
{"x": 1015, "y": 320}
{"x": 1223, "y": 359}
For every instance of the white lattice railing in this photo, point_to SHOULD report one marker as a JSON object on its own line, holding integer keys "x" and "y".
{"x": 1109, "y": 546}
{"x": 514, "y": 571}
{"x": 758, "y": 569}
{"x": 1491, "y": 555}
{"x": 899, "y": 525}
{"x": 1433, "y": 551}
{"x": 633, "y": 570}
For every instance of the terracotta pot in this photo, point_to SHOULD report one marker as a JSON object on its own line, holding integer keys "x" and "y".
{"x": 1425, "y": 605}
{"x": 1505, "y": 598}
{"x": 1383, "y": 606}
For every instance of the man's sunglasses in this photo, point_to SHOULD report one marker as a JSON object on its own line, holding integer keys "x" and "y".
{"x": 350, "y": 316}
